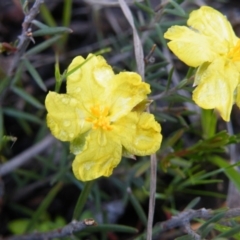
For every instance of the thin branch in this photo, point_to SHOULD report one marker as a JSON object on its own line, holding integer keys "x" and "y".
{"x": 68, "y": 230}
{"x": 110, "y": 3}
{"x": 164, "y": 94}
{"x": 24, "y": 40}
{"x": 138, "y": 50}
{"x": 141, "y": 70}
{"x": 182, "y": 218}
{"x": 149, "y": 58}
{"x": 25, "y": 156}
{"x": 191, "y": 232}
{"x": 151, "y": 208}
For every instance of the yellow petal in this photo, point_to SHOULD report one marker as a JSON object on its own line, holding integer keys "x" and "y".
{"x": 128, "y": 91}
{"x": 101, "y": 154}
{"x": 139, "y": 133}
{"x": 201, "y": 71}
{"x": 64, "y": 118}
{"x": 190, "y": 46}
{"x": 217, "y": 86}
{"x": 90, "y": 82}
{"x": 210, "y": 22}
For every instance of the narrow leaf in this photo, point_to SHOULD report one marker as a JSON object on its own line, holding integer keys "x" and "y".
{"x": 27, "y": 97}
{"x": 111, "y": 228}
{"x": 42, "y": 46}
{"x": 229, "y": 170}
{"x": 22, "y": 115}
{"x": 138, "y": 208}
{"x": 36, "y": 77}
{"x": 229, "y": 233}
{"x": 51, "y": 31}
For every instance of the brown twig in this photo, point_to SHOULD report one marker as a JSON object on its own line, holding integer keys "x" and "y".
{"x": 153, "y": 183}
{"x": 109, "y": 3}
{"x": 25, "y": 156}
{"x": 183, "y": 219}
{"x": 138, "y": 49}
{"x": 24, "y": 40}
{"x": 149, "y": 57}
{"x": 68, "y": 230}
{"x": 191, "y": 232}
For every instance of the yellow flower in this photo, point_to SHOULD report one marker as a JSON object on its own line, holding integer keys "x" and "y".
{"x": 101, "y": 118}
{"x": 211, "y": 45}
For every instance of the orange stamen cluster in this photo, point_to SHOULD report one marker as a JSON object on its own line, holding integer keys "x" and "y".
{"x": 100, "y": 117}
{"x": 234, "y": 53}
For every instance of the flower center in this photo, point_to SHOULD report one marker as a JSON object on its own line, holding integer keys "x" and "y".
{"x": 99, "y": 117}
{"x": 234, "y": 53}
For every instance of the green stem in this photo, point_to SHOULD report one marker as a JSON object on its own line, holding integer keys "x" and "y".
{"x": 82, "y": 200}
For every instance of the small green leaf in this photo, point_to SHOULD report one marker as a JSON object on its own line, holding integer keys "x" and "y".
{"x": 179, "y": 10}
{"x": 228, "y": 169}
{"x": 39, "y": 24}
{"x": 138, "y": 208}
{"x": 175, "y": 136}
{"x": 214, "y": 219}
{"x": 111, "y": 228}
{"x": 42, "y": 46}
{"x": 67, "y": 14}
{"x": 27, "y": 97}
{"x": 58, "y": 75}
{"x": 156, "y": 66}
{"x": 18, "y": 226}
{"x": 178, "y": 98}
{"x": 51, "y": 31}
{"x": 160, "y": 34}
{"x": 180, "y": 162}
{"x": 22, "y": 115}
{"x": 169, "y": 78}
{"x": 223, "y": 229}
{"x": 35, "y": 75}
{"x": 229, "y": 233}
{"x": 145, "y": 8}
{"x": 193, "y": 203}
{"x": 47, "y": 15}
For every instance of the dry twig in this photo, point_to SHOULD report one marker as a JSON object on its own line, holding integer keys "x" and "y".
{"x": 136, "y": 40}
{"x": 184, "y": 218}
{"x": 25, "y": 156}
{"x": 24, "y": 40}
{"x": 141, "y": 70}
{"x": 68, "y": 230}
